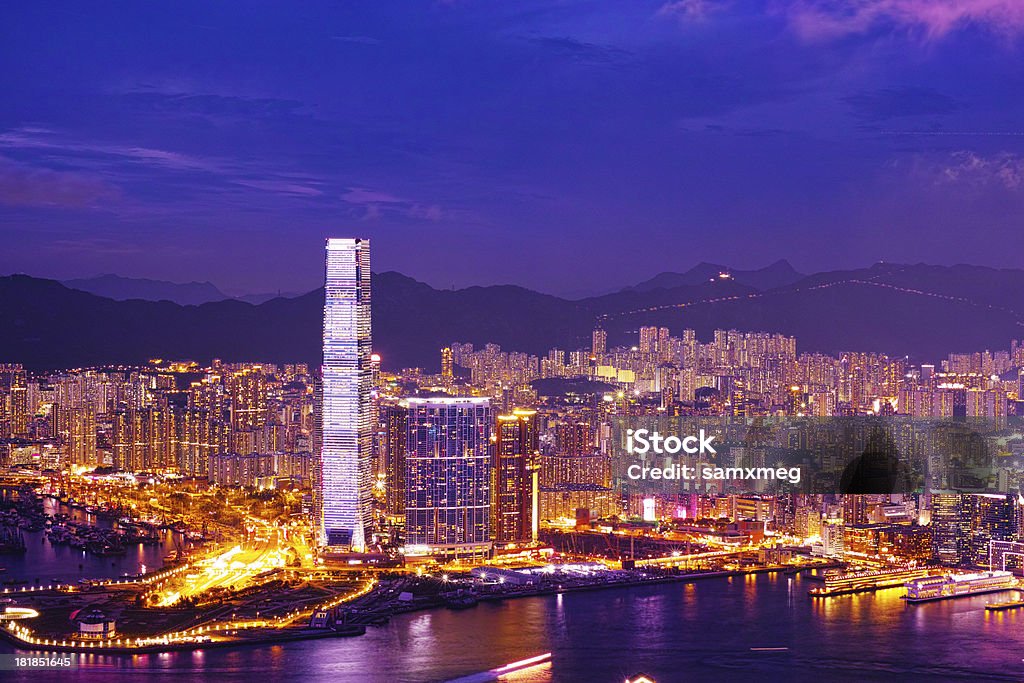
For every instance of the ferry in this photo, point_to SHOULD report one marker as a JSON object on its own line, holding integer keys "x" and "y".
{"x": 958, "y": 585}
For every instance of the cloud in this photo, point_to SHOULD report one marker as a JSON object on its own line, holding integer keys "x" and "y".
{"x": 690, "y": 10}
{"x": 22, "y": 185}
{"x": 579, "y": 51}
{"x": 174, "y": 101}
{"x": 374, "y": 203}
{"x": 819, "y": 20}
{"x": 122, "y": 162}
{"x": 1003, "y": 169}
{"x": 890, "y": 103}
{"x": 281, "y": 187}
{"x": 430, "y": 212}
{"x": 371, "y": 212}
{"x": 362, "y": 195}
{"x": 963, "y": 171}
{"x": 38, "y": 139}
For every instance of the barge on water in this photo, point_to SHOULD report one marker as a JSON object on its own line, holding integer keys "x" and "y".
{"x": 1009, "y": 604}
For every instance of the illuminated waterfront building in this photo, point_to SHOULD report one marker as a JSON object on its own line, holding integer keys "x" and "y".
{"x": 448, "y": 476}
{"x": 514, "y": 493}
{"x": 343, "y": 499}
{"x": 906, "y": 542}
{"x": 950, "y": 528}
{"x": 832, "y": 538}
{"x": 992, "y": 517}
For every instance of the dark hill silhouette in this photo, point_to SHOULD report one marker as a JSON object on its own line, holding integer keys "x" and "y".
{"x": 124, "y": 288}
{"x": 917, "y": 310}
{"x": 778, "y": 274}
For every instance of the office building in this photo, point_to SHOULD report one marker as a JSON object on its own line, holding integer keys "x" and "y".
{"x": 448, "y": 476}
{"x": 514, "y": 494}
{"x": 344, "y": 478}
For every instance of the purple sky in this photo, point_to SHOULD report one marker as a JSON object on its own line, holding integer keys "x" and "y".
{"x": 569, "y": 146}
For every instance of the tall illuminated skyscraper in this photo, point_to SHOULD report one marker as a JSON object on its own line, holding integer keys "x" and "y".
{"x": 514, "y": 494}
{"x": 344, "y": 476}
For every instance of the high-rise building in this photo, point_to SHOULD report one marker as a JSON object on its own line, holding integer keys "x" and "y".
{"x": 247, "y": 392}
{"x": 648, "y": 339}
{"x": 599, "y": 342}
{"x": 992, "y": 518}
{"x": 344, "y": 478}
{"x": 141, "y": 440}
{"x": 394, "y": 426}
{"x": 448, "y": 476}
{"x": 14, "y": 409}
{"x": 855, "y": 509}
{"x": 447, "y": 366}
{"x": 950, "y": 528}
{"x": 514, "y": 495}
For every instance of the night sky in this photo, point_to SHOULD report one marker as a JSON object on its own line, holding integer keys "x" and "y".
{"x": 570, "y": 146}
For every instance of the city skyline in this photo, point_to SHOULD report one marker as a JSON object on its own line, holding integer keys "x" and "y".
{"x": 829, "y": 138}
{"x": 674, "y": 364}
{"x": 498, "y": 500}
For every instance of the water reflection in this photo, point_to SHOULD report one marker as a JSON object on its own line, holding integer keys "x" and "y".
{"x": 674, "y": 632}
{"x": 45, "y": 562}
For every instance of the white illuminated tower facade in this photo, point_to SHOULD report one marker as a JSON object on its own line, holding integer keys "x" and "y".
{"x": 344, "y": 477}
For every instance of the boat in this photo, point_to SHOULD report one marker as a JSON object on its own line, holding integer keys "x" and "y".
{"x": 462, "y": 601}
{"x": 947, "y": 586}
{"x": 346, "y": 630}
{"x": 106, "y": 549}
{"x": 12, "y": 540}
{"x": 1009, "y": 604}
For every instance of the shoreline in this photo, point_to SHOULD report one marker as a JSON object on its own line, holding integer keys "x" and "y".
{"x": 280, "y": 637}
{"x": 358, "y": 629}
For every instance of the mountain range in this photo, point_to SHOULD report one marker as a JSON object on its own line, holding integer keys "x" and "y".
{"x": 919, "y": 310}
{"x": 778, "y": 274}
{"x": 122, "y": 288}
